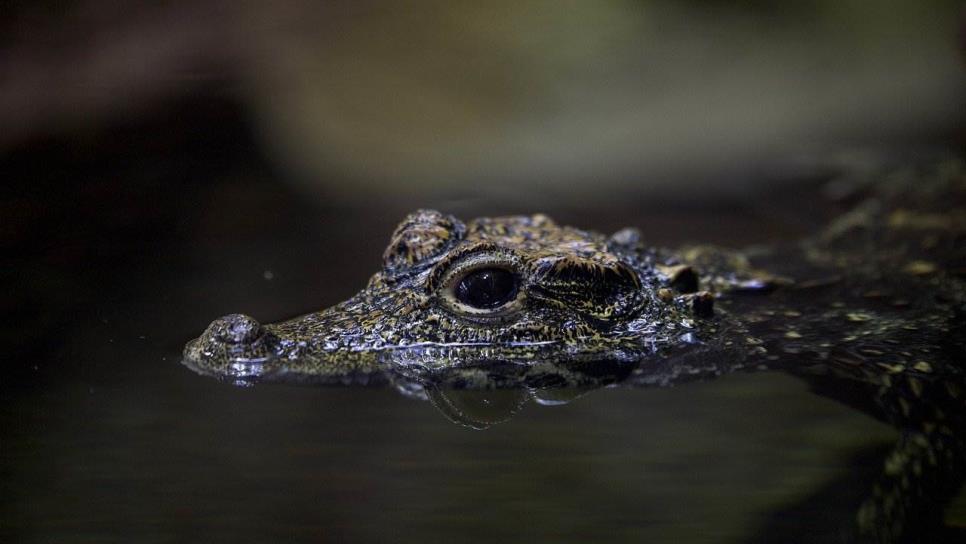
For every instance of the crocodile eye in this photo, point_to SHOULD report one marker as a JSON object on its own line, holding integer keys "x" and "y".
{"x": 483, "y": 286}
{"x": 487, "y": 288}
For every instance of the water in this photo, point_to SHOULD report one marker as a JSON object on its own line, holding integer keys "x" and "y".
{"x": 185, "y": 458}
{"x": 107, "y": 438}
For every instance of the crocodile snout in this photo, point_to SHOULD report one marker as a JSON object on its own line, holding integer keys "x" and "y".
{"x": 233, "y": 330}
{"x": 235, "y": 346}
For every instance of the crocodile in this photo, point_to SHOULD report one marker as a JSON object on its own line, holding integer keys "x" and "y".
{"x": 871, "y": 311}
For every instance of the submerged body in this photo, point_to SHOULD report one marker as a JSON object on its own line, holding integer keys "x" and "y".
{"x": 871, "y": 311}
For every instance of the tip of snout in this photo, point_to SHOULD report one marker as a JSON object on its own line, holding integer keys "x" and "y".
{"x": 233, "y": 329}
{"x": 234, "y": 347}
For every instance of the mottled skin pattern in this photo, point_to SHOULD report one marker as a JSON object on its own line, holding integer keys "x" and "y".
{"x": 584, "y": 295}
{"x": 871, "y": 311}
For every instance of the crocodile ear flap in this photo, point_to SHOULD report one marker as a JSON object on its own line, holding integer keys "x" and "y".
{"x": 603, "y": 289}
{"x": 421, "y": 238}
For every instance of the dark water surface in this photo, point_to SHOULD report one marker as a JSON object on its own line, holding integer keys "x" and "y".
{"x": 107, "y": 438}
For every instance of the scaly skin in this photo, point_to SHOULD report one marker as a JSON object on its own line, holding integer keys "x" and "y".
{"x": 876, "y": 299}
{"x": 584, "y": 296}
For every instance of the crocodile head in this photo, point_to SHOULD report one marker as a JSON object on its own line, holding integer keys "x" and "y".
{"x": 517, "y": 289}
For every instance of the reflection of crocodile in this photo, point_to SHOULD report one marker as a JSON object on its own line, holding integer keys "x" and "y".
{"x": 872, "y": 311}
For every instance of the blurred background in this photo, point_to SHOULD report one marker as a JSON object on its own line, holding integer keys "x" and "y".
{"x": 165, "y": 163}
{"x": 506, "y": 100}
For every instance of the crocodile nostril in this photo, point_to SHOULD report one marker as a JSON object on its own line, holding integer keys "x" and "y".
{"x": 234, "y": 329}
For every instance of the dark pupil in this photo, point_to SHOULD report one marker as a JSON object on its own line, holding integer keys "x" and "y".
{"x": 487, "y": 288}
